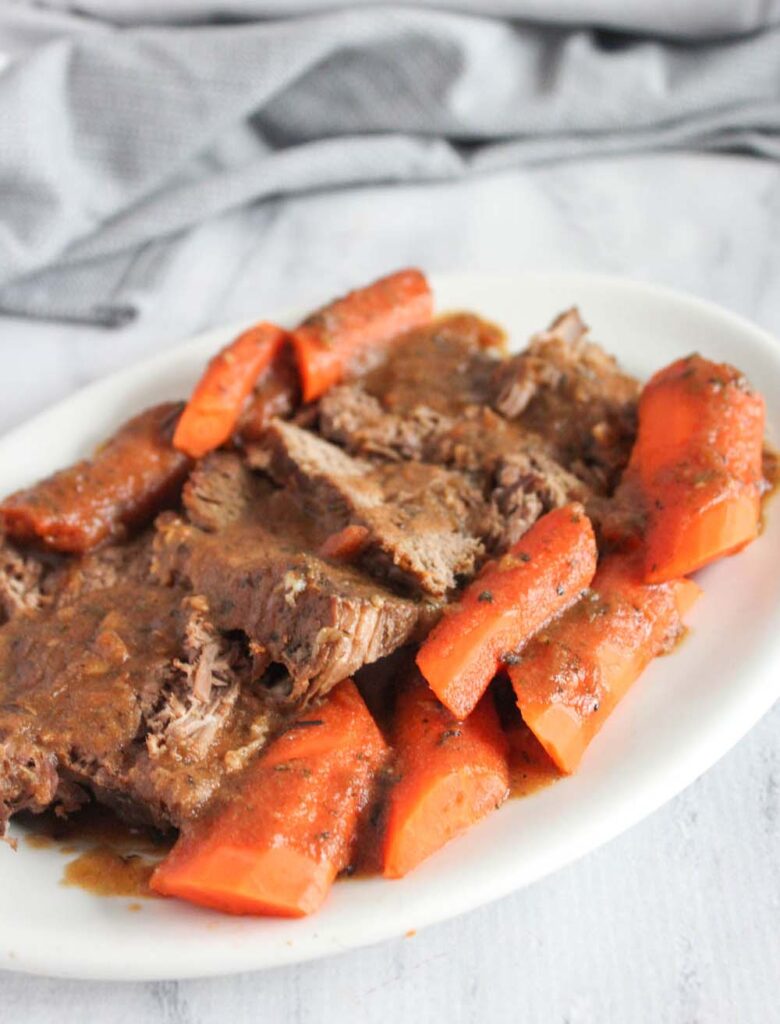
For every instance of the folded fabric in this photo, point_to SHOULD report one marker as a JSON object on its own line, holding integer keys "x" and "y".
{"x": 116, "y": 140}
{"x": 701, "y": 18}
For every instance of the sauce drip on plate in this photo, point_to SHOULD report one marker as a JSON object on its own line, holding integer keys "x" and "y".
{"x": 103, "y": 871}
{"x": 113, "y": 858}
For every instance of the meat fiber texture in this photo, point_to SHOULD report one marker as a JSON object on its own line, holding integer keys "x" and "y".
{"x": 125, "y": 691}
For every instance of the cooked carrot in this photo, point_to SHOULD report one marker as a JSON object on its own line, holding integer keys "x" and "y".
{"x": 697, "y": 460}
{"x": 330, "y": 342}
{"x": 129, "y": 479}
{"x": 450, "y": 774}
{"x": 275, "y": 843}
{"x": 506, "y": 604}
{"x": 276, "y": 393}
{"x": 346, "y": 544}
{"x": 572, "y": 674}
{"x": 698, "y": 528}
{"x": 219, "y": 396}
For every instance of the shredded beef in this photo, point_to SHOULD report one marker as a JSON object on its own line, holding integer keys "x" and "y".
{"x": 355, "y": 419}
{"x": 527, "y": 485}
{"x": 21, "y": 581}
{"x": 563, "y": 396}
{"x": 572, "y": 393}
{"x": 127, "y": 693}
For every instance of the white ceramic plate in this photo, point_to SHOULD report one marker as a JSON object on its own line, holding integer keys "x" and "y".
{"x": 685, "y": 713}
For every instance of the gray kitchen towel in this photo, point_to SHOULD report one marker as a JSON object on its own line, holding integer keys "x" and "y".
{"x": 117, "y": 139}
{"x": 694, "y": 18}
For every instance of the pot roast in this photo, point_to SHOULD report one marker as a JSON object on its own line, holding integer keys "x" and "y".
{"x": 144, "y": 672}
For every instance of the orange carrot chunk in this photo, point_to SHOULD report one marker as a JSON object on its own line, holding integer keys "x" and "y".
{"x": 330, "y": 342}
{"x": 346, "y": 544}
{"x": 275, "y": 844}
{"x": 451, "y": 774}
{"x": 276, "y": 392}
{"x": 219, "y": 396}
{"x": 512, "y": 598}
{"x": 129, "y": 479}
{"x": 697, "y": 461}
{"x": 572, "y": 675}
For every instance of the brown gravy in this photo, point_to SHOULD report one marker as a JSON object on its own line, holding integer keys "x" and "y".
{"x": 95, "y": 825}
{"x": 104, "y": 871}
{"x": 447, "y": 365}
{"x": 113, "y": 858}
{"x": 116, "y": 859}
{"x": 530, "y": 767}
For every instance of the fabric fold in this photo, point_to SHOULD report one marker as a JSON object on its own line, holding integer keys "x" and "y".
{"x": 116, "y": 139}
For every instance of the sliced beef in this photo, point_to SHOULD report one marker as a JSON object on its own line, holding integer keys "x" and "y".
{"x": 316, "y": 469}
{"x": 130, "y": 478}
{"x": 513, "y": 467}
{"x": 424, "y": 522}
{"x": 568, "y": 390}
{"x": 428, "y": 532}
{"x": 352, "y": 417}
{"x": 218, "y": 491}
{"x": 316, "y": 620}
{"x": 127, "y": 693}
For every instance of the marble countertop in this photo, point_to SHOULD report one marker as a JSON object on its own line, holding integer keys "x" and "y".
{"x": 677, "y": 920}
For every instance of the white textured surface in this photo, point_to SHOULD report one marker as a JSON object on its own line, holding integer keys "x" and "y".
{"x": 679, "y": 920}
